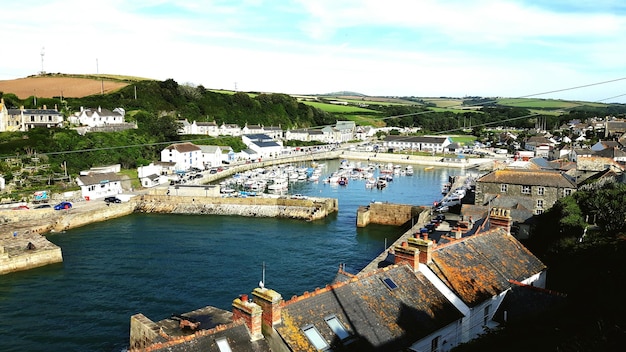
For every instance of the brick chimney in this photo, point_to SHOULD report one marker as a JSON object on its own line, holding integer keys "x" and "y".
{"x": 405, "y": 254}
{"x": 425, "y": 248}
{"x": 270, "y": 303}
{"x": 251, "y": 314}
{"x": 500, "y": 218}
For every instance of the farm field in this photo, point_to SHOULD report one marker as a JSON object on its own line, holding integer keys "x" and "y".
{"x": 66, "y": 86}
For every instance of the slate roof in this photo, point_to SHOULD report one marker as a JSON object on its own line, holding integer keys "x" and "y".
{"x": 524, "y": 302}
{"x": 209, "y": 149}
{"x": 546, "y": 178}
{"x": 376, "y": 317}
{"x": 183, "y": 147}
{"x": 479, "y": 267}
{"x": 416, "y": 139}
{"x": 98, "y": 178}
{"x": 215, "y": 324}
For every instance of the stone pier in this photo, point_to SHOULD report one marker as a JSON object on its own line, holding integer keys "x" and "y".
{"x": 386, "y": 214}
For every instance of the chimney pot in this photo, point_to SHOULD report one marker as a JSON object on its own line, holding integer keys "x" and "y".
{"x": 404, "y": 244}
{"x": 244, "y": 297}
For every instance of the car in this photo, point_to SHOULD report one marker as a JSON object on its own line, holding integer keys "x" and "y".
{"x": 298, "y": 196}
{"x": 21, "y": 207}
{"x": 43, "y": 206}
{"x": 63, "y": 205}
{"x": 112, "y": 199}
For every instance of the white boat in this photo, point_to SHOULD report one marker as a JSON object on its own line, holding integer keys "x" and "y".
{"x": 370, "y": 183}
{"x": 381, "y": 183}
{"x": 409, "y": 170}
{"x": 280, "y": 184}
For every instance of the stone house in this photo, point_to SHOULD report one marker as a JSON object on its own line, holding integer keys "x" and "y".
{"x": 542, "y": 187}
{"x": 25, "y": 119}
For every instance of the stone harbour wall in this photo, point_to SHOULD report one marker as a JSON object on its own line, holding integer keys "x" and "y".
{"x": 386, "y": 214}
{"x": 282, "y": 207}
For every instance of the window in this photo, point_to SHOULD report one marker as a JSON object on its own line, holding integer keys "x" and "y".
{"x": 223, "y": 345}
{"x": 541, "y": 191}
{"x": 526, "y": 190}
{"x": 338, "y": 328}
{"x": 539, "y": 211}
{"x": 390, "y": 283}
{"x": 540, "y": 203}
{"x": 504, "y": 188}
{"x": 314, "y": 336}
{"x": 434, "y": 344}
{"x": 567, "y": 192}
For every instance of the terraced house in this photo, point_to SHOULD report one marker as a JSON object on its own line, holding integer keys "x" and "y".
{"x": 542, "y": 187}
{"x": 425, "y": 296}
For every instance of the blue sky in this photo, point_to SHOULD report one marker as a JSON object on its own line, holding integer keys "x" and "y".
{"x": 422, "y": 48}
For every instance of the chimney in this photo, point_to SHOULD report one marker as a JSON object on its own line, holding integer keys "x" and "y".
{"x": 425, "y": 248}
{"x": 406, "y": 254}
{"x": 45, "y": 107}
{"x": 99, "y": 109}
{"x": 458, "y": 233}
{"x": 250, "y": 313}
{"x": 270, "y": 303}
{"x": 500, "y": 218}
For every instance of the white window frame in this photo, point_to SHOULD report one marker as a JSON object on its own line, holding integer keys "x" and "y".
{"x": 504, "y": 188}
{"x": 541, "y": 191}
{"x": 527, "y": 189}
{"x": 337, "y": 327}
{"x": 314, "y": 336}
{"x": 539, "y": 203}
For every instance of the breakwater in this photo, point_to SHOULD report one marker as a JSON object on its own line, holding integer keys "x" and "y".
{"x": 386, "y": 214}
{"x": 311, "y": 208}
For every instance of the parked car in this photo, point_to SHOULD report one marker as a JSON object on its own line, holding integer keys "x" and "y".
{"x": 21, "y": 207}
{"x": 43, "y": 206}
{"x": 63, "y": 205}
{"x": 112, "y": 199}
{"x": 298, "y": 196}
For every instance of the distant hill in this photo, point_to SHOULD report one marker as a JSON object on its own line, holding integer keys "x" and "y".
{"x": 70, "y": 86}
{"x": 343, "y": 93}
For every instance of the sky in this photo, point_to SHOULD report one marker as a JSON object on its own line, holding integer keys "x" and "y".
{"x": 553, "y": 49}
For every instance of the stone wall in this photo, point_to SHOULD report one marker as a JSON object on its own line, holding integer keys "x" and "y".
{"x": 386, "y": 214}
{"x": 282, "y": 207}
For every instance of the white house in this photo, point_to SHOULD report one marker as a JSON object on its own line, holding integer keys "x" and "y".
{"x": 230, "y": 130}
{"x": 99, "y": 117}
{"x": 152, "y": 175}
{"x": 262, "y": 144}
{"x": 437, "y": 144}
{"x": 184, "y": 155}
{"x": 96, "y": 185}
{"x": 212, "y": 155}
{"x": 346, "y": 130}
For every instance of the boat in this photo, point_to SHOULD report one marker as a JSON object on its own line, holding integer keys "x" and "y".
{"x": 381, "y": 183}
{"x": 428, "y": 168}
{"x": 343, "y": 181}
{"x": 409, "y": 170}
{"x": 370, "y": 183}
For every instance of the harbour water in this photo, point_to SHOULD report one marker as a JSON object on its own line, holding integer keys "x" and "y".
{"x": 164, "y": 264}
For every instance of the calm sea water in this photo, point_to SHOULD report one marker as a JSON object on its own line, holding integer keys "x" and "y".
{"x": 163, "y": 264}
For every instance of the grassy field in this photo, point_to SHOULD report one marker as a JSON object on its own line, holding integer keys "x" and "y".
{"x": 341, "y": 109}
{"x": 463, "y": 140}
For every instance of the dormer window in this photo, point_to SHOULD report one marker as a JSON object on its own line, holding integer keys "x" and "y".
{"x": 526, "y": 189}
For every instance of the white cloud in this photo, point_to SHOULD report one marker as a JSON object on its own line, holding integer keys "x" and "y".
{"x": 396, "y": 47}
